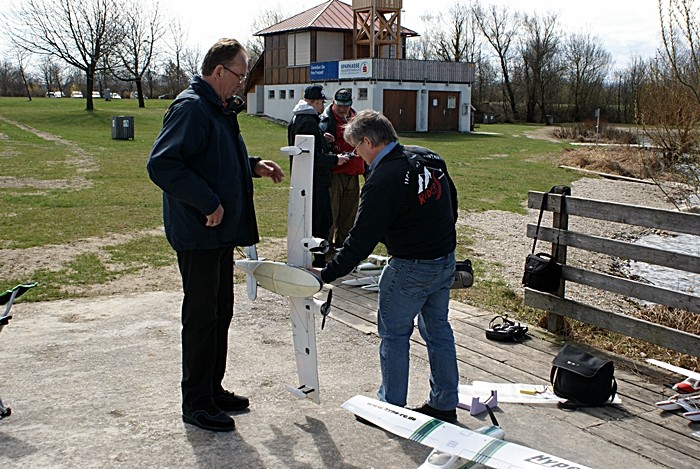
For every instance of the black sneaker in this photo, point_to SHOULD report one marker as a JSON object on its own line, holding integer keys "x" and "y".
{"x": 444, "y": 415}
{"x": 212, "y": 419}
{"x": 230, "y": 402}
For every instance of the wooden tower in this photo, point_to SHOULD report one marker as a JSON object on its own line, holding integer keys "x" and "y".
{"x": 376, "y": 28}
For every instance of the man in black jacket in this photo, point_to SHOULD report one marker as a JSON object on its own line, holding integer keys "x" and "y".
{"x": 201, "y": 163}
{"x": 305, "y": 121}
{"x": 409, "y": 203}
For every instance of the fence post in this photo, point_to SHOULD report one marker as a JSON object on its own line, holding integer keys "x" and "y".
{"x": 560, "y": 221}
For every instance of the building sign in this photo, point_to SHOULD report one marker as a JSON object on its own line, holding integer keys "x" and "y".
{"x": 357, "y": 69}
{"x": 323, "y": 71}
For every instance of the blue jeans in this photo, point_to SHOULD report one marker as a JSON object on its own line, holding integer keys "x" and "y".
{"x": 408, "y": 288}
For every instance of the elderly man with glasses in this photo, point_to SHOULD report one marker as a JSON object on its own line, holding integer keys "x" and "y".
{"x": 201, "y": 163}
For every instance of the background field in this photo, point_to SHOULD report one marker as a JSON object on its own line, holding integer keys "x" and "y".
{"x": 64, "y": 179}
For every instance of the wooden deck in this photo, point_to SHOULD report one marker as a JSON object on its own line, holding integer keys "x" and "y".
{"x": 636, "y": 427}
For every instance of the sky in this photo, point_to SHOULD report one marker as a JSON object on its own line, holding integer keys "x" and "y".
{"x": 625, "y": 27}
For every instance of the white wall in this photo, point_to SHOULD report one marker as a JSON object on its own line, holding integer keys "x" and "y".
{"x": 282, "y": 108}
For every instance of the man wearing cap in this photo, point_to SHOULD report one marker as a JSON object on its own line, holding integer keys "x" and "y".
{"x": 305, "y": 121}
{"x": 345, "y": 187}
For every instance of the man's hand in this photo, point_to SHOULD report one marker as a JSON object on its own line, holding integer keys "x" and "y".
{"x": 268, "y": 168}
{"x": 329, "y": 137}
{"x": 215, "y": 217}
{"x": 342, "y": 159}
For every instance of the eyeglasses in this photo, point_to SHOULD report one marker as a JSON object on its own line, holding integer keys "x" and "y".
{"x": 241, "y": 78}
{"x": 358, "y": 146}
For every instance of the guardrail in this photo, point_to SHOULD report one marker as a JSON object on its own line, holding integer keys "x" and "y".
{"x": 559, "y": 306}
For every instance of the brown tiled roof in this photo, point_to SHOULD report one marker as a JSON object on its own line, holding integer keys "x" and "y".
{"x": 333, "y": 15}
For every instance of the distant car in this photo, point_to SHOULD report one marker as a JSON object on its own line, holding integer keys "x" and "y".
{"x": 76, "y": 94}
{"x": 96, "y": 94}
{"x": 116, "y": 96}
{"x": 54, "y": 94}
{"x": 135, "y": 95}
{"x": 167, "y": 96}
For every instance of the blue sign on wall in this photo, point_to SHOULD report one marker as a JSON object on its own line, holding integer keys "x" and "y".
{"x": 323, "y": 71}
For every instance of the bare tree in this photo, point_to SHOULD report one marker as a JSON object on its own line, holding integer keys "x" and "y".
{"x": 539, "y": 49}
{"x": 680, "y": 37}
{"x": 451, "y": 40}
{"x": 499, "y": 27}
{"x": 586, "y": 65}
{"x": 265, "y": 19}
{"x": 133, "y": 56}
{"x": 178, "y": 49}
{"x": 78, "y": 32}
{"x": 22, "y": 59}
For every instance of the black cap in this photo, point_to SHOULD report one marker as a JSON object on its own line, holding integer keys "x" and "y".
{"x": 314, "y": 92}
{"x": 343, "y": 97}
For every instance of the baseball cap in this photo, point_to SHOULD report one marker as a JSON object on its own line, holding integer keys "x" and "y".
{"x": 343, "y": 97}
{"x": 314, "y": 92}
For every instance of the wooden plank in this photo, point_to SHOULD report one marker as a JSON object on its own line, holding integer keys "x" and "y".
{"x": 642, "y": 291}
{"x": 608, "y": 175}
{"x": 671, "y": 220}
{"x": 674, "y": 260}
{"x": 654, "y": 333}
{"x": 658, "y": 445}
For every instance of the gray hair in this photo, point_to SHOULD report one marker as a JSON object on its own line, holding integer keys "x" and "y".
{"x": 371, "y": 124}
{"x": 222, "y": 52}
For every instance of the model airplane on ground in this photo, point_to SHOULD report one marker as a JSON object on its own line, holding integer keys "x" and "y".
{"x": 689, "y": 385}
{"x": 465, "y": 447}
{"x": 293, "y": 279}
{"x": 7, "y": 298}
{"x": 689, "y": 403}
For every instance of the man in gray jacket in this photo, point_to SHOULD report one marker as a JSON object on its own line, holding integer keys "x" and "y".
{"x": 201, "y": 163}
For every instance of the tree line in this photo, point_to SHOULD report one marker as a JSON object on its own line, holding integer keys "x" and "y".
{"x": 94, "y": 45}
{"x": 528, "y": 66}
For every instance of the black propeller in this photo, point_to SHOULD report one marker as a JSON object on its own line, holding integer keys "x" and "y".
{"x": 326, "y": 308}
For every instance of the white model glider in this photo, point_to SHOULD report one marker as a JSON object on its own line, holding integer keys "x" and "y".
{"x": 477, "y": 448}
{"x": 293, "y": 279}
{"x": 689, "y": 385}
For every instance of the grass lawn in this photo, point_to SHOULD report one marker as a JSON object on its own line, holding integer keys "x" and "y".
{"x": 64, "y": 179}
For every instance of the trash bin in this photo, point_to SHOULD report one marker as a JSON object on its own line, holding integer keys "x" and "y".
{"x": 122, "y": 127}
{"x": 549, "y": 119}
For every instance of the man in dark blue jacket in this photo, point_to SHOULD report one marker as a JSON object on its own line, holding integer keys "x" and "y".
{"x": 409, "y": 203}
{"x": 200, "y": 162}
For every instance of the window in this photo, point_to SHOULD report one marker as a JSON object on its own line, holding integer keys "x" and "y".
{"x": 271, "y": 94}
{"x": 362, "y": 94}
{"x": 291, "y": 94}
{"x": 283, "y": 94}
{"x": 298, "y": 49}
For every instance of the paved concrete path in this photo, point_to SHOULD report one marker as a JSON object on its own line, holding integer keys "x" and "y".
{"x": 95, "y": 383}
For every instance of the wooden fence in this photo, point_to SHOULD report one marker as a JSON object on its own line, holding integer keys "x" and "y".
{"x": 559, "y": 306}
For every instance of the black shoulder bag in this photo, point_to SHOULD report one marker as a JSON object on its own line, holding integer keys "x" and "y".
{"x": 582, "y": 379}
{"x": 542, "y": 271}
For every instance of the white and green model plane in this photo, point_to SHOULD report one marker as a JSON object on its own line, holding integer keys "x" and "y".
{"x": 454, "y": 446}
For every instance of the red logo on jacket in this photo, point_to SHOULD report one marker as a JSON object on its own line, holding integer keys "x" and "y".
{"x": 429, "y": 186}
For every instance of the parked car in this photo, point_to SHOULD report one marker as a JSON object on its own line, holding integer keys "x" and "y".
{"x": 54, "y": 94}
{"x": 76, "y": 94}
{"x": 167, "y": 96}
{"x": 116, "y": 96}
{"x": 96, "y": 94}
